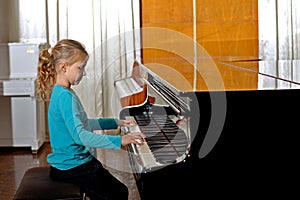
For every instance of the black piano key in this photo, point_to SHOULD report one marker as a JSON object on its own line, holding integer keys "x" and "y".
{"x": 157, "y": 136}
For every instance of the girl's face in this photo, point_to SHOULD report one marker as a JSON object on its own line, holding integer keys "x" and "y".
{"x": 76, "y": 71}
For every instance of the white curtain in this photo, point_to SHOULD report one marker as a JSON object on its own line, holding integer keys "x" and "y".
{"x": 108, "y": 28}
{"x": 279, "y": 43}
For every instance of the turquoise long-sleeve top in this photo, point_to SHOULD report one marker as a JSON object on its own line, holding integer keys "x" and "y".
{"x": 71, "y": 137}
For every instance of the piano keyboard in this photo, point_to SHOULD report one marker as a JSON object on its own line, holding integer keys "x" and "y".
{"x": 142, "y": 151}
{"x": 164, "y": 144}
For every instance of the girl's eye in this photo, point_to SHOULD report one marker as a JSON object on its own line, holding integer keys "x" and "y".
{"x": 82, "y": 67}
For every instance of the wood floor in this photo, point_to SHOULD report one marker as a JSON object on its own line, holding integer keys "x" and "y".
{"x": 15, "y": 161}
{"x": 13, "y": 164}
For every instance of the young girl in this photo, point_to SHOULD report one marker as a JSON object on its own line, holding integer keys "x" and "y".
{"x": 71, "y": 137}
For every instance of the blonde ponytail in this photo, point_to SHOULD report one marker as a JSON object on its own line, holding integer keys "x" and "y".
{"x": 46, "y": 75}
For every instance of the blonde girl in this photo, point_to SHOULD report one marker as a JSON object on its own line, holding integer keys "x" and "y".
{"x": 71, "y": 131}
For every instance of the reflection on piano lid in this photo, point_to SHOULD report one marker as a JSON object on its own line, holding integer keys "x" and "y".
{"x": 271, "y": 74}
{"x": 226, "y": 74}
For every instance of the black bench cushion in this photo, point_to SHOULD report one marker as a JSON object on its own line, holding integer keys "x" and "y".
{"x": 36, "y": 184}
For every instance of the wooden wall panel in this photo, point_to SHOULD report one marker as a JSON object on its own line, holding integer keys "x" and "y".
{"x": 228, "y": 27}
{"x": 173, "y": 14}
{"x": 227, "y": 30}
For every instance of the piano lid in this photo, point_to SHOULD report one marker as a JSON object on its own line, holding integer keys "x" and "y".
{"x": 228, "y": 75}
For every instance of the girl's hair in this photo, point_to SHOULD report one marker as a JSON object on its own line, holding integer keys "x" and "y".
{"x": 66, "y": 50}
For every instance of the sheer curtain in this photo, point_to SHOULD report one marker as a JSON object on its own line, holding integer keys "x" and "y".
{"x": 279, "y": 42}
{"x": 108, "y": 28}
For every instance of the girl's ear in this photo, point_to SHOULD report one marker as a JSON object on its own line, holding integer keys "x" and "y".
{"x": 63, "y": 66}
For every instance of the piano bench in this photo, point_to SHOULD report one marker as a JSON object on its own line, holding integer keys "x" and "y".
{"x": 36, "y": 184}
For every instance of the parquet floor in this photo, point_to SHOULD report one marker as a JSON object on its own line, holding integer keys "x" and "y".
{"x": 13, "y": 164}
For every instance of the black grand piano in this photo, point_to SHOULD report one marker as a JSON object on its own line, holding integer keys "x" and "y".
{"x": 207, "y": 144}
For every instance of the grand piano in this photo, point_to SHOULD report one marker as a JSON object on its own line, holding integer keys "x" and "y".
{"x": 215, "y": 143}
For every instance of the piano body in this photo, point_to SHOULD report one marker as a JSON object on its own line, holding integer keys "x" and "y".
{"x": 199, "y": 144}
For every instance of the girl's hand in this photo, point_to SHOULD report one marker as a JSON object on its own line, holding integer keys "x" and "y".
{"x": 133, "y": 138}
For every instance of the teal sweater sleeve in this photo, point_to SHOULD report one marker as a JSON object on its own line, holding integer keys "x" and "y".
{"x": 103, "y": 123}
{"x": 78, "y": 125}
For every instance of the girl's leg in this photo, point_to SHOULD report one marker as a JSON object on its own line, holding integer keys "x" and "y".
{"x": 96, "y": 181}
